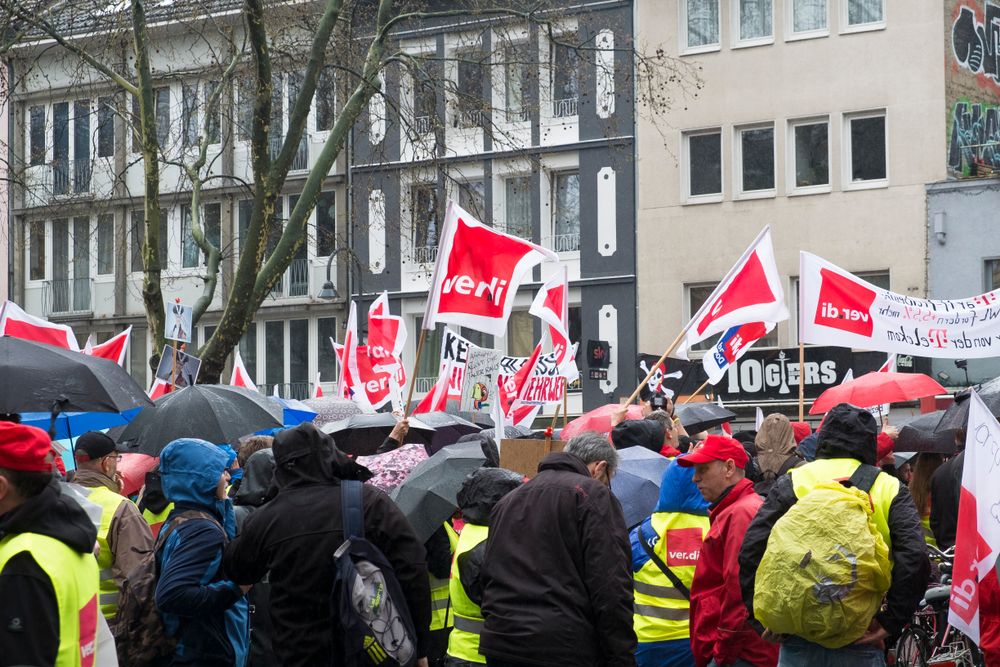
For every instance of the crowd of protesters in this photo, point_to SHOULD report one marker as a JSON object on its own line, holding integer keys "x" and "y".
{"x": 528, "y": 572}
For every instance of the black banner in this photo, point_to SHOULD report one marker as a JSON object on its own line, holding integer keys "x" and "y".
{"x": 679, "y": 378}
{"x": 770, "y": 375}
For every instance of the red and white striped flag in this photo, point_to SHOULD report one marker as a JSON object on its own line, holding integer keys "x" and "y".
{"x": 240, "y": 376}
{"x": 159, "y": 388}
{"x": 19, "y": 324}
{"x": 551, "y": 305}
{"x": 115, "y": 348}
{"x": 317, "y": 388}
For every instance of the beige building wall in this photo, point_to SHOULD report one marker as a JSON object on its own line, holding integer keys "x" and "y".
{"x": 898, "y": 68}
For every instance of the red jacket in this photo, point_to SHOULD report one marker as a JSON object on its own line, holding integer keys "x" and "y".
{"x": 719, "y": 627}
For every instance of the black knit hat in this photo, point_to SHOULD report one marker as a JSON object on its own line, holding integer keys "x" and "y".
{"x": 93, "y": 445}
{"x": 848, "y": 432}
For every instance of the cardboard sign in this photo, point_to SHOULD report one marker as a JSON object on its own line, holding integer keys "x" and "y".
{"x": 522, "y": 455}
{"x": 177, "y": 324}
{"x": 185, "y": 367}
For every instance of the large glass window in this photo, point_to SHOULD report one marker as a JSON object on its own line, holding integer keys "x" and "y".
{"x": 326, "y": 329}
{"x": 162, "y": 113}
{"x": 298, "y": 358}
{"x": 517, "y": 206}
{"x": 248, "y": 350}
{"x": 992, "y": 275}
{"x": 326, "y": 224}
{"x": 424, "y": 98}
{"x": 274, "y": 354}
{"x": 430, "y": 364}
{"x": 136, "y": 232}
{"x": 702, "y": 22}
{"x": 36, "y": 135}
{"x": 326, "y": 99}
{"x": 566, "y": 211}
{"x": 105, "y": 244}
{"x": 565, "y": 75}
{"x": 472, "y": 197}
{"x": 809, "y": 15}
{"x": 469, "y": 89}
{"x": 516, "y": 82}
{"x": 423, "y": 202}
{"x": 189, "y": 248}
{"x": 867, "y": 145}
{"x": 863, "y": 12}
{"x": 244, "y": 110}
{"x": 756, "y": 146}
{"x": 755, "y": 19}
{"x": 60, "y": 148}
{"x": 138, "y": 361}
{"x": 105, "y": 126}
{"x": 704, "y": 154}
{"x": 520, "y": 334}
{"x": 211, "y": 226}
{"x": 36, "y": 246}
{"x": 812, "y": 154}
{"x": 215, "y": 119}
{"x": 189, "y": 114}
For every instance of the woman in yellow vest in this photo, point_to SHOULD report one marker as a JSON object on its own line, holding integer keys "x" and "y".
{"x": 665, "y": 550}
{"x": 153, "y": 504}
{"x": 480, "y": 492}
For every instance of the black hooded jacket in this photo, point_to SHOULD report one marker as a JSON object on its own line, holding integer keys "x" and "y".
{"x": 29, "y": 615}
{"x": 257, "y": 487}
{"x": 842, "y": 437}
{"x": 295, "y": 535}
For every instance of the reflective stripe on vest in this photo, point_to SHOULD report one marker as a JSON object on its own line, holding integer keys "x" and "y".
{"x": 463, "y": 642}
{"x": 109, "y": 502}
{"x": 74, "y": 580}
{"x": 155, "y": 520}
{"x": 440, "y": 617}
{"x": 661, "y": 612}
{"x": 883, "y": 491}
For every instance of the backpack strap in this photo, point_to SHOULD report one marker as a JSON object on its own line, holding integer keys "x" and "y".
{"x": 674, "y": 579}
{"x": 352, "y": 509}
{"x": 864, "y": 478}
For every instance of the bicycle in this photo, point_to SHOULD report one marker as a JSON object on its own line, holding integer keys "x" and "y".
{"x": 928, "y": 640}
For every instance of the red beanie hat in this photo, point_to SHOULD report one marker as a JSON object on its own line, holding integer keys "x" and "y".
{"x": 25, "y": 448}
{"x": 801, "y": 430}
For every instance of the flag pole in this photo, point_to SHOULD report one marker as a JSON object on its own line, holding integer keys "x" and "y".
{"x": 652, "y": 370}
{"x": 555, "y": 417}
{"x": 696, "y": 392}
{"x": 565, "y": 406}
{"x": 413, "y": 376}
{"x": 802, "y": 383}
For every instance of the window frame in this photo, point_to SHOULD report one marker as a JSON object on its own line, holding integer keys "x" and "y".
{"x": 791, "y": 35}
{"x": 555, "y": 175}
{"x": 846, "y": 28}
{"x": 737, "y": 41}
{"x": 987, "y": 274}
{"x": 31, "y": 151}
{"x": 506, "y": 208}
{"x": 44, "y": 228}
{"x": 738, "y": 191}
{"x": 685, "y": 48}
{"x": 708, "y": 198}
{"x": 848, "y": 151}
{"x": 100, "y": 218}
{"x": 793, "y": 190}
{"x": 105, "y": 104}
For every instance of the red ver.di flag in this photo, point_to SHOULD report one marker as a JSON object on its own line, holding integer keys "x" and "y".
{"x": 551, "y": 305}
{"x": 477, "y": 273}
{"x": 977, "y": 538}
{"x": 731, "y": 346}
{"x": 114, "y": 349}
{"x": 386, "y": 334}
{"x": 750, "y": 292}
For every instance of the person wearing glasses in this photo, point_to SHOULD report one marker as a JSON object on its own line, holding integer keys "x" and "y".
{"x": 123, "y": 536}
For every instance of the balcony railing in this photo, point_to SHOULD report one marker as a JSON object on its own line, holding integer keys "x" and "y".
{"x": 563, "y": 242}
{"x": 470, "y": 118}
{"x": 61, "y": 170}
{"x": 564, "y": 108}
{"x": 517, "y": 115}
{"x": 424, "y": 385}
{"x": 81, "y": 175}
{"x": 294, "y": 282}
{"x": 301, "y": 159}
{"x": 296, "y": 390}
{"x": 425, "y": 254}
{"x": 68, "y": 296}
{"x": 423, "y": 125}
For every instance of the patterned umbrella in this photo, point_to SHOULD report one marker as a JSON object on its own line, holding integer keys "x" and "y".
{"x": 331, "y": 409}
{"x": 392, "y": 468}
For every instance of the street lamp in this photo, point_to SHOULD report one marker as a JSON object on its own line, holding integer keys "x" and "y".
{"x": 329, "y": 291}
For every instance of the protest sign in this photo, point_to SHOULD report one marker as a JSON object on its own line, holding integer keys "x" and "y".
{"x": 838, "y": 308}
{"x": 177, "y": 324}
{"x": 177, "y": 367}
{"x": 481, "y": 370}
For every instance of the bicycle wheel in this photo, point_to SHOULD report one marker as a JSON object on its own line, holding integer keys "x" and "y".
{"x": 973, "y": 656}
{"x": 912, "y": 648}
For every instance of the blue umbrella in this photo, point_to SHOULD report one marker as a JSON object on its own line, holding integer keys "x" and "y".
{"x": 73, "y": 424}
{"x": 637, "y": 482}
{"x": 295, "y": 412}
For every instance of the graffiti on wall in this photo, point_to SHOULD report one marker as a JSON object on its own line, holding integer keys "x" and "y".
{"x": 976, "y": 43}
{"x": 975, "y": 137}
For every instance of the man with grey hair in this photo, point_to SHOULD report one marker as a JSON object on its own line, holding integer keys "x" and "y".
{"x": 557, "y": 575}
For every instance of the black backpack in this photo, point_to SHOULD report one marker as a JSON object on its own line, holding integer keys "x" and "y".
{"x": 371, "y": 619}
{"x": 140, "y": 638}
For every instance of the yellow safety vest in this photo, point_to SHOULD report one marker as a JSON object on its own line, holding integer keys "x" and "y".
{"x": 661, "y": 612}
{"x": 109, "y": 588}
{"x": 928, "y": 533}
{"x": 155, "y": 520}
{"x": 74, "y": 580}
{"x": 441, "y": 616}
{"x": 883, "y": 491}
{"x": 463, "y": 642}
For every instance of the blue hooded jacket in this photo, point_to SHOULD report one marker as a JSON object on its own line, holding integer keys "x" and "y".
{"x": 678, "y": 493}
{"x": 204, "y": 610}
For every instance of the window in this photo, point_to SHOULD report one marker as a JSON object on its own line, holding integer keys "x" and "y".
{"x": 701, "y": 23}
{"x": 326, "y": 329}
{"x": 189, "y": 248}
{"x": 754, "y": 21}
{"x": 215, "y": 120}
{"x": 105, "y": 244}
{"x": 298, "y": 358}
{"x": 138, "y": 362}
{"x": 867, "y": 150}
{"x": 565, "y": 75}
{"x": 704, "y": 164}
{"x": 991, "y": 279}
{"x": 575, "y": 314}
{"x": 520, "y": 334}
{"x": 469, "y": 90}
{"x": 274, "y": 353}
{"x": 248, "y": 350}
{"x": 566, "y": 211}
{"x": 138, "y": 233}
{"x": 105, "y": 126}
{"x": 430, "y": 364}
{"x": 326, "y": 100}
{"x": 424, "y": 99}
{"x": 189, "y": 114}
{"x": 36, "y": 135}
{"x": 211, "y": 227}
{"x": 697, "y": 295}
{"x": 755, "y": 148}
{"x": 244, "y": 110}
{"x": 517, "y": 206}
{"x": 472, "y": 197}
{"x": 36, "y": 250}
{"x": 81, "y": 258}
{"x": 162, "y": 114}
{"x": 516, "y": 77}
{"x": 811, "y": 154}
{"x": 865, "y": 13}
{"x": 60, "y": 148}
{"x": 326, "y": 224}
{"x": 244, "y": 212}
{"x": 808, "y": 17}
{"x": 423, "y": 206}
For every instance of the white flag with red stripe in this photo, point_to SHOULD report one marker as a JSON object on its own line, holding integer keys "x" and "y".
{"x": 750, "y": 292}
{"x": 386, "y": 334}
{"x": 115, "y": 348}
{"x": 477, "y": 273}
{"x": 159, "y": 388}
{"x": 19, "y": 324}
{"x": 977, "y": 537}
{"x": 317, "y": 388}
{"x": 512, "y": 392}
{"x": 240, "y": 376}
{"x": 551, "y": 305}
{"x": 726, "y": 427}
{"x": 348, "y": 383}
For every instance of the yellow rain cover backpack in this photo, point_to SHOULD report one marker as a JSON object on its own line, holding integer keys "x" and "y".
{"x": 826, "y": 567}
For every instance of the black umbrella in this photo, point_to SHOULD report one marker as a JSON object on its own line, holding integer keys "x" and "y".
{"x": 44, "y": 378}
{"x": 448, "y": 428}
{"x": 480, "y": 419}
{"x": 509, "y": 432}
{"x": 362, "y": 434}
{"x": 698, "y": 417}
{"x": 217, "y": 413}
{"x": 430, "y": 494}
{"x": 331, "y": 409}
{"x": 912, "y": 439}
{"x": 957, "y": 414}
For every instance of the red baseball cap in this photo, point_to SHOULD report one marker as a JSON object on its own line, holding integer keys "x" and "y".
{"x": 716, "y": 448}
{"x": 25, "y": 448}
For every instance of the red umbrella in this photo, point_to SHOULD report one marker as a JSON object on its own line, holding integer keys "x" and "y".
{"x": 598, "y": 419}
{"x": 876, "y": 388}
{"x": 133, "y": 468}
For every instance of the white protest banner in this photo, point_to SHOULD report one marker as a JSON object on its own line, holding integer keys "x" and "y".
{"x": 481, "y": 370}
{"x": 838, "y": 308}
